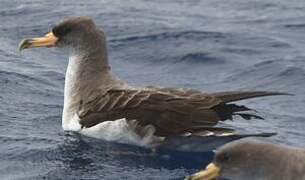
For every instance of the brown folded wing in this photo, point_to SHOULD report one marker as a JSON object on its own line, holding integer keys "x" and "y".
{"x": 170, "y": 111}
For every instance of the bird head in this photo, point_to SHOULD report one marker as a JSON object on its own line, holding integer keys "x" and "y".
{"x": 239, "y": 160}
{"x": 74, "y": 34}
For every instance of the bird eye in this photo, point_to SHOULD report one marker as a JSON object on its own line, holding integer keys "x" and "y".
{"x": 61, "y": 30}
{"x": 224, "y": 157}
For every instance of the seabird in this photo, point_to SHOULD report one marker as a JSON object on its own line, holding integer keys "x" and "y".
{"x": 100, "y": 105}
{"x": 254, "y": 160}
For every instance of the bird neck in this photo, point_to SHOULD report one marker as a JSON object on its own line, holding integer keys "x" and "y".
{"x": 85, "y": 76}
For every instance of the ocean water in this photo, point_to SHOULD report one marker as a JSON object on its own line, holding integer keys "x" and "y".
{"x": 207, "y": 45}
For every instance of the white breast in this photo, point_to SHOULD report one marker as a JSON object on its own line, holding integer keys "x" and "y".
{"x": 70, "y": 121}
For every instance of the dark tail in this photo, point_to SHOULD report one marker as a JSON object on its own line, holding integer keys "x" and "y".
{"x": 226, "y": 111}
{"x": 232, "y": 96}
{"x": 239, "y": 136}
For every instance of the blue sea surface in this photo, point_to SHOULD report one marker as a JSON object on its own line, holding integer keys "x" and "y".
{"x": 211, "y": 46}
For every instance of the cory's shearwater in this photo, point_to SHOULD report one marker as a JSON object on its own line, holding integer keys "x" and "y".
{"x": 100, "y": 105}
{"x": 253, "y": 160}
